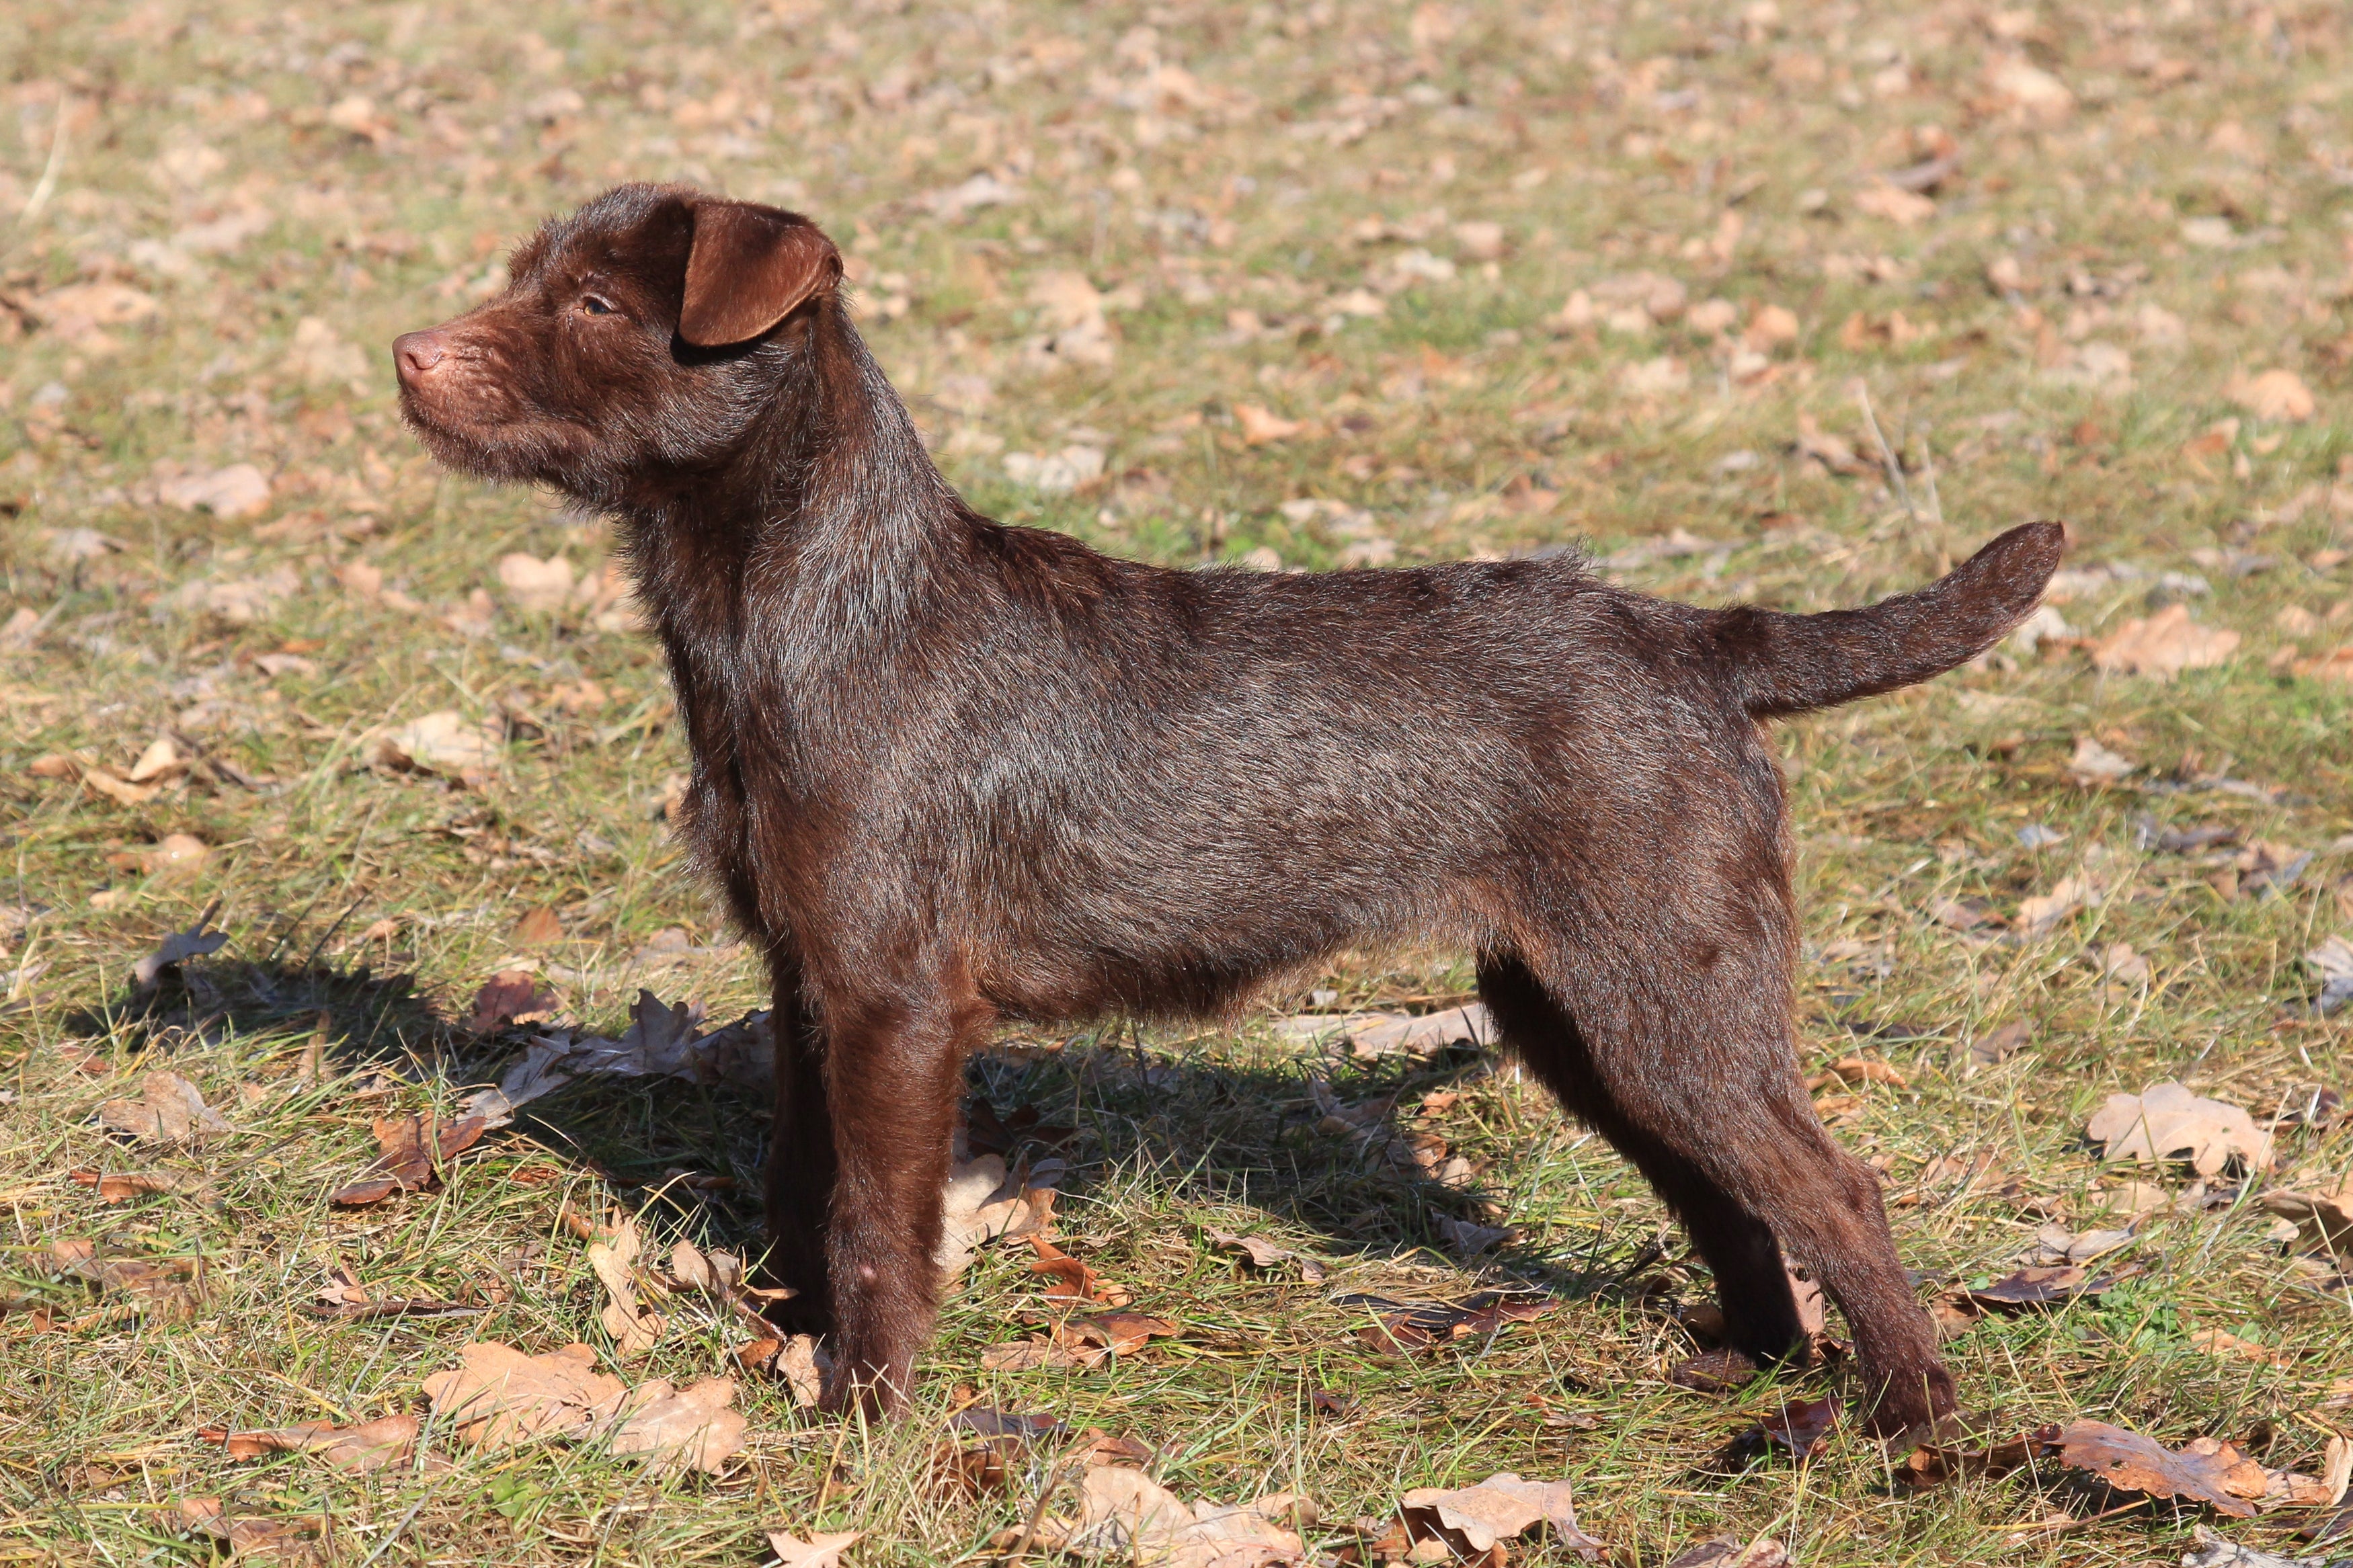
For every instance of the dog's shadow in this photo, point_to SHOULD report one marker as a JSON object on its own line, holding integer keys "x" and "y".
{"x": 1323, "y": 1147}
{"x": 1189, "y": 1127}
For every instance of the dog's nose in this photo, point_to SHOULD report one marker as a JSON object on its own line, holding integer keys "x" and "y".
{"x": 415, "y": 352}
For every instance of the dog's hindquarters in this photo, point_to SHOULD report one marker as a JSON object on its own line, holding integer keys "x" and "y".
{"x": 1655, "y": 1003}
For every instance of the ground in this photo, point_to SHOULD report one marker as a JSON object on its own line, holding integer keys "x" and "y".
{"x": 1792, "y": 304}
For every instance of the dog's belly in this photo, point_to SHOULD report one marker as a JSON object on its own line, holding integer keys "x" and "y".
{"x": 1203, "y": 938}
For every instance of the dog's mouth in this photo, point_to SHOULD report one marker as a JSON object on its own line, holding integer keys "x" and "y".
{"x": 494, "y": 444}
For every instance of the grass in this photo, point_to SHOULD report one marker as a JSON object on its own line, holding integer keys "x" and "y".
{"x": 286, "y": 188}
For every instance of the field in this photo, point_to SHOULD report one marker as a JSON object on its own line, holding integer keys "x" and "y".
{"x": 1795, "y": 303}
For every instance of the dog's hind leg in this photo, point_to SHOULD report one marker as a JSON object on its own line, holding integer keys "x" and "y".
{"x": 801, "y": 1155}
{"x": 1689, "y": 1066}
{"x": 894, "y": 1071}
{"x": 1759, "y": 1313}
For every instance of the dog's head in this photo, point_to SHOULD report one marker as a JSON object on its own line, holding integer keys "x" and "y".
{"x": 642, "y": 333}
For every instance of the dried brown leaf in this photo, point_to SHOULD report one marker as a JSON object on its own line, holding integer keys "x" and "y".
{"x": 2166, "y": 1120}
{"x": 1717, "y": 1371}
{"x": 1123, "y": 1513}
{"x": 681, "y": 1429}
{"x": 820, "y": 1550}
{"x": 168, "y": 1110}
{"x": 1473, "y": 1520}
{"x": 414, "y": 1150}
{"x": 2207, "y": 1471}
{"x": 2039, "y": 1287}
{"x": 510, "y": 996}
{"x": 371, "y": 1445}
{"x": 2324, "y": 1220}
{"x": 2163, "y": 644}
{"x": 1801, "y": 1426}
{"x": 499, "y": 1397}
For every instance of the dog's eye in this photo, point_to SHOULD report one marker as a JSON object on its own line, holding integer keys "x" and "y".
{"x": 594, "y": 306}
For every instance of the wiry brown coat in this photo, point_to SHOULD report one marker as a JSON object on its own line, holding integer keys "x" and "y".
{"x": 948, "y": 772}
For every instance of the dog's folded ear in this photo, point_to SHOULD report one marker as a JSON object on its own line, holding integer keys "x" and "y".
{"x": 750, "y": 267}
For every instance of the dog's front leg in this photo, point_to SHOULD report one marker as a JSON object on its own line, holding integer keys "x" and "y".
{"x": 800, "y": 1153}
{"x": 893, "y": 1068}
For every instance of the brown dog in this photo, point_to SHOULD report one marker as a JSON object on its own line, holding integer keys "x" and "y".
{"x": 948, "y": 772}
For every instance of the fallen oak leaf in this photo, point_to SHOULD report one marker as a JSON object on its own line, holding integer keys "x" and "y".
{"x": 820, "y": 1550}
{"x": 2324, "y": 1220}
{"x": 1718, "y": 1371}
{"x": 1261, "y": 427}
{"x": 989, "y": 1134}
{"x": 975, "y": 1470}
{"x": 371, "y": 1445}
{"x": 441, "y": 743}
{"x": 2093, "y": 764}
{"x": 536, "y": 586}
{"x": 2208, "y": 1471}
{"x": 346, "y": 1298}
{"x": 510, "y": 996}
{"x": 499, "y": 1398}
{"x": 2166, "y": 1119}
{"x": 2001, "y": 1044}
{"x": 2057, "y": 1244}
{"x": 1124, "y": 1333}
{"x": 1093, "y": 1447}
{"x": 1054, "y": 1351}
{"x": 2223, "y": 1342}
{"x": 988, "y": 1421}
{"x": 1856, "y": 1069}
{"x": 2039, "y": 1287}
{"x": 2163, "y": 644}
{"x": 1802, "y": 1427}
{"x": 397, "y": 1307}
{"x": 1421, "y": 1035}
{"x": 1124, "y": 1513}
{"x": 1261, "y": 1253}
{"x": 660, "y": 1042}
{"x": 1726, "y": 1552}
{"x": 2211, "y": 1550}
{"x": 681, "y": 1429}
{"x": 1073, "y": 1281}
{"x": 1467, "y": 1239}
{"x": 414, "y": 1151}
{"x": 981, "y": 1203}
{"x": 804, "y": 1365}
{"x": 1969, "y": 1447}
{"x": 1473, "y": 1520}
{"x": 1401, "y": 1326}
{"x": 2039, "y": 914}
{"x": 249, "y": 1535}
{"x": 635, "y": 1327}
{"x": 173, "y": 1288}
{"x": 168, "y": 1110}
{"x": 538, "y": 927}
{"x": 123, "y": 1186}
{"x": 2278, "y": 394}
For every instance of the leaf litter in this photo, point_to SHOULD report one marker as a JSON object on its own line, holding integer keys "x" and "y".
{"x": 499, "y": 1398}
{"x": 375, "y": 1445}
{"x": 169, "y": 1109}
{"x": 2165, "y": 1122}
{"x": 1124, "y": 1514}
{"x": 415, "y": 1150}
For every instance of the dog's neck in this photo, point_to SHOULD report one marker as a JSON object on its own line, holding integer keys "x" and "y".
{"x": 832, "y": 467}
{"x": 855, "y": 530}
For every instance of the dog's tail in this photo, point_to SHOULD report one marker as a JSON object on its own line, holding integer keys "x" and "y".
{"x": 1785, "y": 663}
